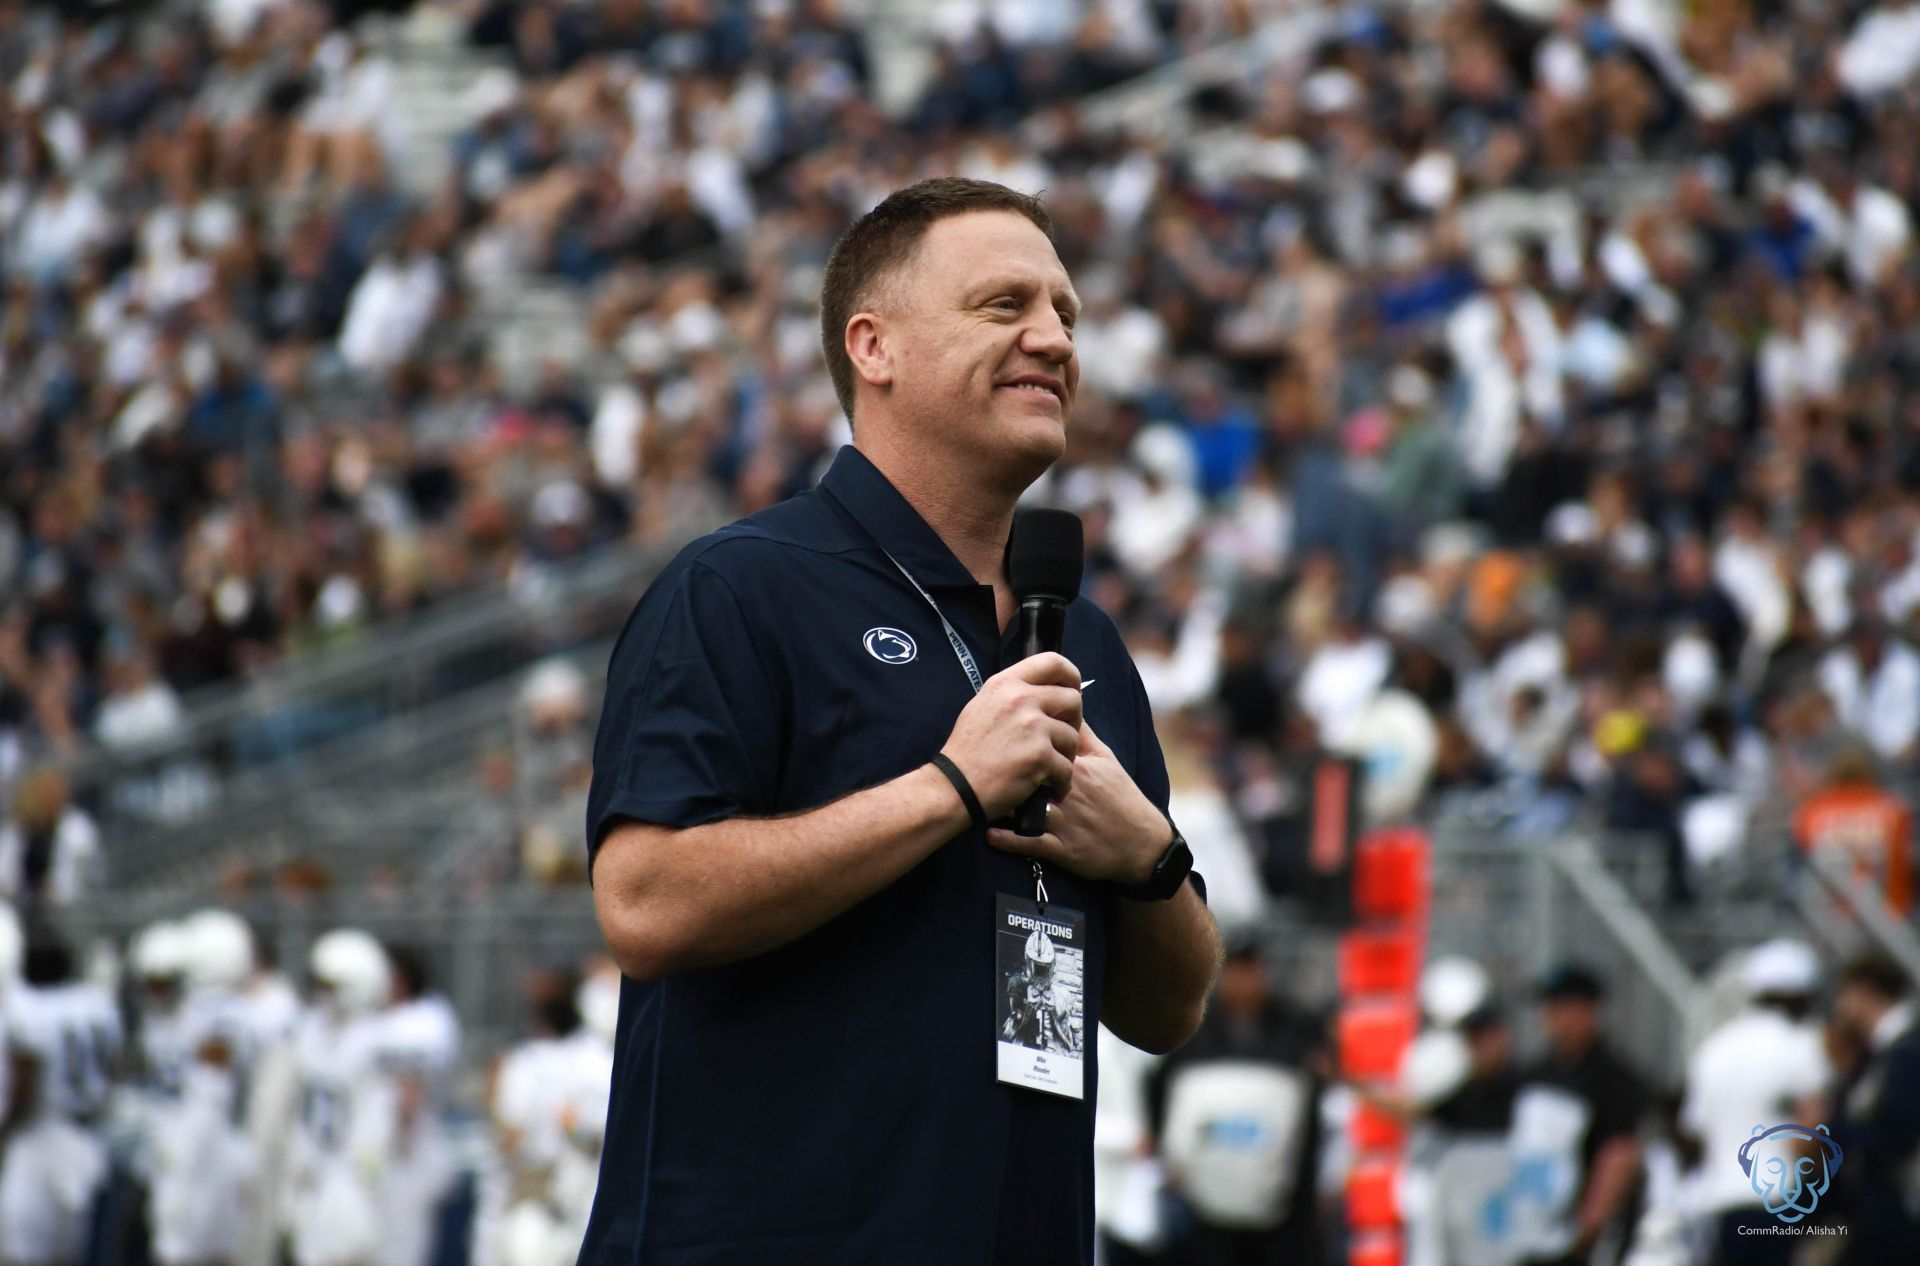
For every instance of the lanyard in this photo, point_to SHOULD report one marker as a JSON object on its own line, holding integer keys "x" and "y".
{"x": 965, "y": 656}
{"x": 960, "y": 651}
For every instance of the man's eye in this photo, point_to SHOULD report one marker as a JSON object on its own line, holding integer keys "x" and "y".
{"x": 1009, "y": 305}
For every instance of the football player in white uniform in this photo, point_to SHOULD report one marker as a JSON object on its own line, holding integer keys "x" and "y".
{"x": 63, "y": 1039}
{"x": 418, "y": 1046}
{"x": 343, "y": 1133}
{"x": 158, "y": 959}
{"x": 586, "y": 1077}
{"x": 550, "y": 1107}
{"x": 205, "y": 1191}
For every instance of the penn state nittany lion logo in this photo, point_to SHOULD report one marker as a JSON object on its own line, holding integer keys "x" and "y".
{"x": 889, "y": 646}
{"x": 1787, "y": 1175}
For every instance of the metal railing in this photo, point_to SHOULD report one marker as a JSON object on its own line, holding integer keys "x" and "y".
{"x": 1155, "y": 102}
{"x": 1514, "y": 907}
{"x": 1854, "y": 913}
{"x": 273, "y": 738}
{"x": 1658, "y": 1006}
{"x": 395, "y": 795}
{"x": 1519, "y": 906}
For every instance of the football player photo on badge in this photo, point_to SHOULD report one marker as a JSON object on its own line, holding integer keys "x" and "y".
{"x": 1040, "y": 959}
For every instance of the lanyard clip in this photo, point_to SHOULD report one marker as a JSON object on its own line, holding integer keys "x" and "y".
{"x": 1039, "y": 885}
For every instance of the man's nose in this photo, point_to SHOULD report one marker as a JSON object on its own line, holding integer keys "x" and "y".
{"x": 1048, "y": 338}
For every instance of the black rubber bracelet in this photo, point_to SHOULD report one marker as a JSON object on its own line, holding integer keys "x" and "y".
{"x": 960, "y": 784}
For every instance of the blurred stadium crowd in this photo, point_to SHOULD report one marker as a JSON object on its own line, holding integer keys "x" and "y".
{"x": 1520, "y": 386}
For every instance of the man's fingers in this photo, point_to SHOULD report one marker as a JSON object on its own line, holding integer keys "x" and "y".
{"x": 1062, "y": 704}
{"x": 1060, "y": 777}
{"x": 1047, "y": 847}
{"x": 1048, "y": 669}
{"x": 1066, "y": 740}
{"x": 1090, "y": 742}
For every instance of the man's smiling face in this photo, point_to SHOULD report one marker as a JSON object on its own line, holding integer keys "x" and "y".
{"x": 980, "y": 328}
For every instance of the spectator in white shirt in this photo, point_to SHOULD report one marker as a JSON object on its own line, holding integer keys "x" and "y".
{"x": 1125, "y": 339}
{"x": 1522, "y": 709}
{"x": 391, "y": 307}
{"x": 1342, "y": 677}
{"x": 1862, "y": 223}
{"x": 1874, "y": 683}
{"x": 49, "y": 848}
{"x": 1883, "y": 52}
{"x": 60, "y": 226}
{"x": 1763, "y": 1067}
{"x": 140, "y": 708}
{"x": 1155, "y": 519}
{"x": 1747, "y": 563}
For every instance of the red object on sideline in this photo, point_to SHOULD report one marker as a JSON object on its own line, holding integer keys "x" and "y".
{"x": 1375, "y": 1250}
{"x": 1373, "y": 1036}
{"x": 1380, "y": 961}
{"x": 1379, "y": 971}
{"x": 1371, "y": 1202}
{"x": 1372, "y": 1130}
{"x": 1390, "y": 878}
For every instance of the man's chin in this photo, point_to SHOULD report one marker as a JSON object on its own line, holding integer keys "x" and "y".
{"x": 1033, "y": 445}
{"x": 1004, "y": 448}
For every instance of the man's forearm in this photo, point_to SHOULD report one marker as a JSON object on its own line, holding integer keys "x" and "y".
{"x": 1614, "y": 1169}
{"x": 1165, "y": 957}
{"x": 671, "y": 899}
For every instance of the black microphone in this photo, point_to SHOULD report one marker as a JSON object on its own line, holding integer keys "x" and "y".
{"x": 1045, "y": 556}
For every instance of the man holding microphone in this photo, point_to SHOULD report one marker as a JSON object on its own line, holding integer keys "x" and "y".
{"x": 812, "y": 718}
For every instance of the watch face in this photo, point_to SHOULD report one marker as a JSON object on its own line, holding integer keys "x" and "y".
{"x": 1171, "y": 871}
{"x": 1178, "y": 865}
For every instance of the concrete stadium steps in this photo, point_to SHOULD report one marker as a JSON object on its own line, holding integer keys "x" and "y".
{"x": 1741, "y": 901}
{"x": 532, "y": 321}
{"x": 407, "y": 796}
{"x": 375, "y": 747}
{"x": 433, "y": 85}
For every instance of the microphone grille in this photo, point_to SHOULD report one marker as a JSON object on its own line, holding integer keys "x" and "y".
{"x": 1046, "y": 554}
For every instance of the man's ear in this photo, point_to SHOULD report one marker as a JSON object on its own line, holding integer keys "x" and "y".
{"x": 867, "y": 348}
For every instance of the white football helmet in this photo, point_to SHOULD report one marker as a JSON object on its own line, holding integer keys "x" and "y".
{"x": 598, "y": 1001}
{"x": 1451, "y": 988}
{"x": 159, "y": 952}
{"x": 352, "y": 964}
{"x": 1435, "y": 1064}
{"x": 219, "y": 949}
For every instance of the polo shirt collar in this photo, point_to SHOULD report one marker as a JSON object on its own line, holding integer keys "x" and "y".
{"x": 876, "y": 505}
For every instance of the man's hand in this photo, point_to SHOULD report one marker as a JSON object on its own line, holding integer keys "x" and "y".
{"x": 1103, "y": 828}
{"x": 1020, "y": 732}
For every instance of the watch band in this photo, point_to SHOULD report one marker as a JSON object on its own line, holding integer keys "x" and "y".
{"x": 1169, "y": 873}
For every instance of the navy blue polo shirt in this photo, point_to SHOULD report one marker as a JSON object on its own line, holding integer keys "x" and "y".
{"x": 835, "y": 1100}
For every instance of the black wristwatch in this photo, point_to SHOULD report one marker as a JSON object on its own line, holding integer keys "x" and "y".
{"x": 1169, "y": 873}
